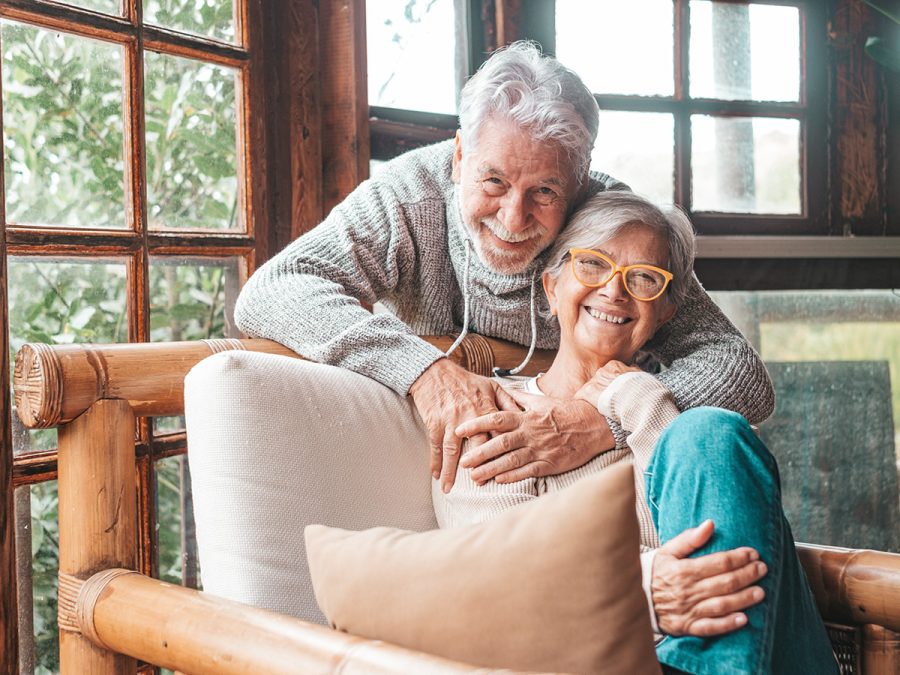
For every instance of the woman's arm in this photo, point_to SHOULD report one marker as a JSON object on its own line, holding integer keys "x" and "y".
{"x": 709, "y": 362}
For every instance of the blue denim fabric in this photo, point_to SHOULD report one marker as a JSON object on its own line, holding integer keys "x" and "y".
{"x": 710, "y": 464}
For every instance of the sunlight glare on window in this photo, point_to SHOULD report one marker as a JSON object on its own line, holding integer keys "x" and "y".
{"x": 638, "y": 149}
{"x": 618, "y": 47}
{"x": 741, "y": 52}
{"x": 746, "y": 165}
{"x": 412, "y": 55}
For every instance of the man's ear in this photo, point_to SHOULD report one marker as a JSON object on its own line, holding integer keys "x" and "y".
{"x": 457, "y": 158}
{"x": 549, "y": 284}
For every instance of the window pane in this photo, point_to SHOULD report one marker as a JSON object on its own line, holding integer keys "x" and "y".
{"x": 638, "y": 148}
{"x": 37, "y": 569}
{"x": 192, "y": 176}
{"x": 208, "y": 18}
{"x": 62, "y": 302}
{"x": 191, "y": 299}
{"x": 176, "y": 534}
{"x": 741, "y": 52}
{"x": 62, "y": 129}
{"x": 412, "y": 54}
{"x": 746, "y": 165}
{"x": 619, "y": 47}
{"x": 104, "y": 6}
{"x": 834, "y": 357}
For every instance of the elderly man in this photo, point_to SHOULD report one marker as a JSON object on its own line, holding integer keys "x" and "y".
{"x": 450, "y": 238}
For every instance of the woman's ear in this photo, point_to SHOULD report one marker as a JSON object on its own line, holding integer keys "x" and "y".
{"x": 667, "y": 313}
{"x": 457, "y": 158}
{"x": 549, "y": 284}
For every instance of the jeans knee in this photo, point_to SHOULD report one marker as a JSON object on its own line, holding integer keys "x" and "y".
{"x": 711, "y": 439}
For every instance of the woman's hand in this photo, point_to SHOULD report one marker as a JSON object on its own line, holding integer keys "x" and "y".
{"x": 590, "y": 391}
{"x": 445, "y": 395}
{"x": 548, "y": 437}
{"x": 704, "y": 596}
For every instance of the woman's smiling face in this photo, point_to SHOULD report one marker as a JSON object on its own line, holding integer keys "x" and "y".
{"x": 602, "y": 324}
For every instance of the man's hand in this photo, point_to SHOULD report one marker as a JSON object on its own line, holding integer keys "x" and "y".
{"x": 590, "y": 391}
{"x": 446, "y": 395}
{"x": 704, "y": 596}
{"x": 550, "y": 436}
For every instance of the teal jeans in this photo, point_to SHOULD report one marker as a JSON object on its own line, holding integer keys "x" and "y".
{"x": 710, "y": 464}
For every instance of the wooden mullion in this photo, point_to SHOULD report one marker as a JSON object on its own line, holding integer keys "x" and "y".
{"x": 682, "y": 121}
{"x": 201, "y": 247}
{"x": 49, "y": 238}
{"x": 69, "y": 19}
{"x": 34, "y": 467}
{"x": 174, "y": 43}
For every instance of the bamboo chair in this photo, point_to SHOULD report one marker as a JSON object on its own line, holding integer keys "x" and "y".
{"x": 92, "y": 393}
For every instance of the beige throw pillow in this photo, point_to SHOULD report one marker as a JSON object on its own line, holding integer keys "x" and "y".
{"x": 552, "y": 585}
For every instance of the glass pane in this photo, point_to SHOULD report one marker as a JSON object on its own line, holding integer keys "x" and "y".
{"x": 104, "y": 6}
{"x": 834, "y": 357}
{"x": 638, "y": 148}
{"x": 192, "y": 172}
{"x": 37, "y": 569}
{"x": 619, "y": 47}
{"x": 62, "y": 302}
{"x": 62, "y": 129}
{"x": 746, "y": 165}
{"x": 412, "y": 54}
{"x": 208, "y": 18}
{"x": 191, "y": 299}
{"x": 745, "y": 52}
{"x": 176, "y": 534}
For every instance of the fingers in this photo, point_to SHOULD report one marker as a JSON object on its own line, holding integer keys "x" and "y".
{"x": 436, "y": 443}
{"x": 722, "y": 614}
{"x": 451, "y": 452}
{"x": 732, "y": 582}
{"x": 501, "y": 444}
{"x": 495, "y": 422}
{"x": 710, "y": 626}
{"x": 506, "y": 400}
{"x": 516, "y": 463}
{"x": 682, "y": 545}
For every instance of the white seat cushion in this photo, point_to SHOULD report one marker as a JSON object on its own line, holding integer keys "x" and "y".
{"x": 276, "y": 443}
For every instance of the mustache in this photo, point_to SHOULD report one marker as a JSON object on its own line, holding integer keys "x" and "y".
{"x": 499, "y": 231}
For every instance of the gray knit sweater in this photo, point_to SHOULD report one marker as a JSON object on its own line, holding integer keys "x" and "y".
{"x": 391, "y": 241}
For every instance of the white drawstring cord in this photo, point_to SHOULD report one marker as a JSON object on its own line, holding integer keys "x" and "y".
{"x": 465, "y": 328}
{"x": 503, "y": 372}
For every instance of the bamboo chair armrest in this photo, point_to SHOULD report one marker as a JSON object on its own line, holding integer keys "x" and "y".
{"x": 854, "y": 586}
{"x": 185, "y": 630}
{"x": 55, "y": 384}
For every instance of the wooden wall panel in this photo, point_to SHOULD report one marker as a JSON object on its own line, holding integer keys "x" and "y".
{"x": 859, "y": 162}
{"x": 345, "y": 101}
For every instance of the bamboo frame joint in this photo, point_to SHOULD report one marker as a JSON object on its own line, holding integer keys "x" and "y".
{"x": 78, "y": 598}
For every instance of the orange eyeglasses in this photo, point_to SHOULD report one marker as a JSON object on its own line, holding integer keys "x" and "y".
{"x": 594, "y": 269}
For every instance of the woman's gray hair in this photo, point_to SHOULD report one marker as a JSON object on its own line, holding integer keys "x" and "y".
{"x": 537, "y": 93}
{"x": 606, "y": 214}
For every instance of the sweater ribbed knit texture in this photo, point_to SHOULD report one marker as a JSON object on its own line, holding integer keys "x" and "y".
{"x": 391, "y": 241}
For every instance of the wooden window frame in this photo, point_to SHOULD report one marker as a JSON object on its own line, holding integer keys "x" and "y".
{"x": 136, "y": 244}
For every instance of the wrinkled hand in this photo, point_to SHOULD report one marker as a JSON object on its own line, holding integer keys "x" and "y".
{"x": 548, "y": 437}
{"x": 446, "y": 395}
{"x": 590, "y": 391}
{"x": 704, "y": 596}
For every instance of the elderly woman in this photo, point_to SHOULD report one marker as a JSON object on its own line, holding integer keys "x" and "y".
{"x": 615, "y": 275}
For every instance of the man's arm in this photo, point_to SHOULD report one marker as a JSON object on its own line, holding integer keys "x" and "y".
{"x": 709, "y": 361}
{"x": 308, "y": 296}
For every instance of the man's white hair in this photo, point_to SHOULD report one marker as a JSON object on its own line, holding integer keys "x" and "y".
{"x": 537, "y": 93}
